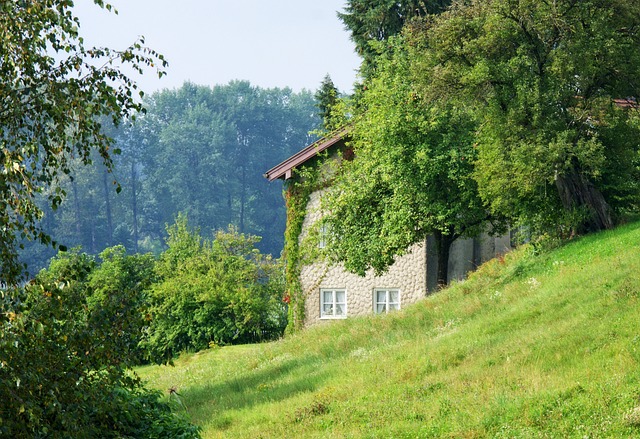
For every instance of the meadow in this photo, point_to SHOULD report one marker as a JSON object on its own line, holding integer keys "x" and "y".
{"x": 538, "y": 343}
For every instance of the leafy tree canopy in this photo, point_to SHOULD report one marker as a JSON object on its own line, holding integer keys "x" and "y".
{"x": 519, "y": 110}
{"x": 53, "y": 90}
{"x": 554, "y": 145}
{"x": 213, "y": 292}
{"x": 411, "y": 176}
{"x": 198, "y": 150}
{"x": 378, "y": 20}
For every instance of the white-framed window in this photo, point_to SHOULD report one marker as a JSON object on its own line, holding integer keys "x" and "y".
{"x": 385, "y": 300}
{"x": 322, "y": 235}
{"x": 333, "y": 303}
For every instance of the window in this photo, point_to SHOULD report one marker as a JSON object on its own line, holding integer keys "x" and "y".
{"x": 333, "y": 304}
{"x": 324, "y": 230}
{"x": 386, "y": 300}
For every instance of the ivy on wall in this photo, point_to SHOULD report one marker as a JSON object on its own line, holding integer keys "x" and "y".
{"x": 317, "y": 175}
{"x": 297, "y": 194}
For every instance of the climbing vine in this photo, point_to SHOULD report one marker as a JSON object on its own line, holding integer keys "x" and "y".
{"x": 317, "y": 175}
{"x": 297, "y": 195}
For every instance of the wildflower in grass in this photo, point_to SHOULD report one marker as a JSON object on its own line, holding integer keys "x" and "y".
{"x": 533, "y": 283}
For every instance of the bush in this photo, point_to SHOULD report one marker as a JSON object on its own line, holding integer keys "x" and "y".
{"x": 213, "y": 292}
{"x": 118, "y": 295}
{"x": 63, "y": 372}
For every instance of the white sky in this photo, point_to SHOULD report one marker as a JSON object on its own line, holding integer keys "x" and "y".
{"x": 271, "y": 43}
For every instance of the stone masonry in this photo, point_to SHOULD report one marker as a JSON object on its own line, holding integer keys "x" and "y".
{"x": 412, "y": 275}
{"x": 408, "y": 275}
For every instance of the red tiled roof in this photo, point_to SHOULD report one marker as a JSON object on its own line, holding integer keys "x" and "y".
{"x": 284, "y": 170}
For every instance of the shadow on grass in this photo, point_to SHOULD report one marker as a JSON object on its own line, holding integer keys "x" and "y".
{"x": 265, "y": 384}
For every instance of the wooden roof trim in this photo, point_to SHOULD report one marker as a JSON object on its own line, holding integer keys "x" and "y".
{"x": 285, "y": 169}
{"x": 626, "y": 103}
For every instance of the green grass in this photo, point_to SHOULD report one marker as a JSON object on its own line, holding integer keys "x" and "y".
{"x": 529, "y": 346}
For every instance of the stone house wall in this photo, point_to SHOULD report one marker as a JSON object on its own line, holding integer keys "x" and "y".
{"x": 407, "y": 275}
{"x": 413, "y": 275}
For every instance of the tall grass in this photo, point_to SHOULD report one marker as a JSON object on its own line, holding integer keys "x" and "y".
{"x": 531, "y": 345}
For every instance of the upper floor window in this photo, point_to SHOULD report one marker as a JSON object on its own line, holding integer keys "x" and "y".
{"x": 322, "y": 235}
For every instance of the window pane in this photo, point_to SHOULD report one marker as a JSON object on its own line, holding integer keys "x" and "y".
{"x": 394, "y": 296}
{"x": 323, "y": 236}
{"x": 340, "y": 310}
{"x": 381, "y": 296}
{"x": 327, "y": 297}
{"x": 380, "y": 308}
{"x": 327, "y": 309}
{"x": 394, "y": 306}
{"x": 340, "y": 297}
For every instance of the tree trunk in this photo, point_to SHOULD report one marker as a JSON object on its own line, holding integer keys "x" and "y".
{"x": 107, "y": 202}
{"x": 77, "y": 215}
{"x": 243, "y": 197}
{"x": 134, "y": 204}
{"x": 577, "y": 192}
{"x": 443, "y": 247}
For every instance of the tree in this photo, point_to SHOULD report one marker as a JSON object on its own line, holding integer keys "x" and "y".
{"x": 198, "y": 150}
{"x": 54, "y": 89}
{"x": 412, "y": 175}
{"x": 549, "y": 81}
{"x": 194, "y": 183}
{"x": 371, "y": 21}
{"x": 134, "y": 141}
{"x": 327, "y": 99}
{"x": 231, "y": 133}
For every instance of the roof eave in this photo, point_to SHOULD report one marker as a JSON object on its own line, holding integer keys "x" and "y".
{"x": 284, "y": 170}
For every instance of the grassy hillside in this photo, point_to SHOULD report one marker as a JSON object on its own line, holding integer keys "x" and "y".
{"x": 530, "y": 346}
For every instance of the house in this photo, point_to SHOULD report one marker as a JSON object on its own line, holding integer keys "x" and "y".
{"x": 318, "y": 291}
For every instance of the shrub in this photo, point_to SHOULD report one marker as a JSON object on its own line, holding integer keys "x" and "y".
{"x": 213, "y": 292}
{"x": 63, "y": 372}
{"x": 117, "y": 295}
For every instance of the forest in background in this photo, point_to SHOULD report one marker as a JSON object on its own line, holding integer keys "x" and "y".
{"x": 197, "y": 150}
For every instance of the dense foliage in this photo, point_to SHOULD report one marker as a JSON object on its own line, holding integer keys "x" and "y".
{"x": 522, "y": 111}
{"x": 412, "y": 175}
{"x": 117, "y": 291}
{"x": 69, "y": 339}
{"x": 297, "y": 195}
{"x": 197, "y": 150}
{"x": 371, "y": 21}
{"x": 327, "y": 99}
{"x": 549, "y": 81}
{"x": 212, "y": 293}
{"x": 54, "y": 89}
{"x": 65, "y": 359}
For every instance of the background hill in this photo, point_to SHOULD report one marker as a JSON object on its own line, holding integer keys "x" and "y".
{"x": 535, "y": 344}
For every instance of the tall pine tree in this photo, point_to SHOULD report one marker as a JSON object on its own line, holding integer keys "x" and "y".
{"x": 327, "y": 98}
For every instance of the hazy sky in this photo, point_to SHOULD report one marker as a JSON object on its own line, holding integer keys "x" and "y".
{"x": 271, "y": 43}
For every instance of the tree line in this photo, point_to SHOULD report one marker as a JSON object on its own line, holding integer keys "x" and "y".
{"x": 197, "y": 150}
